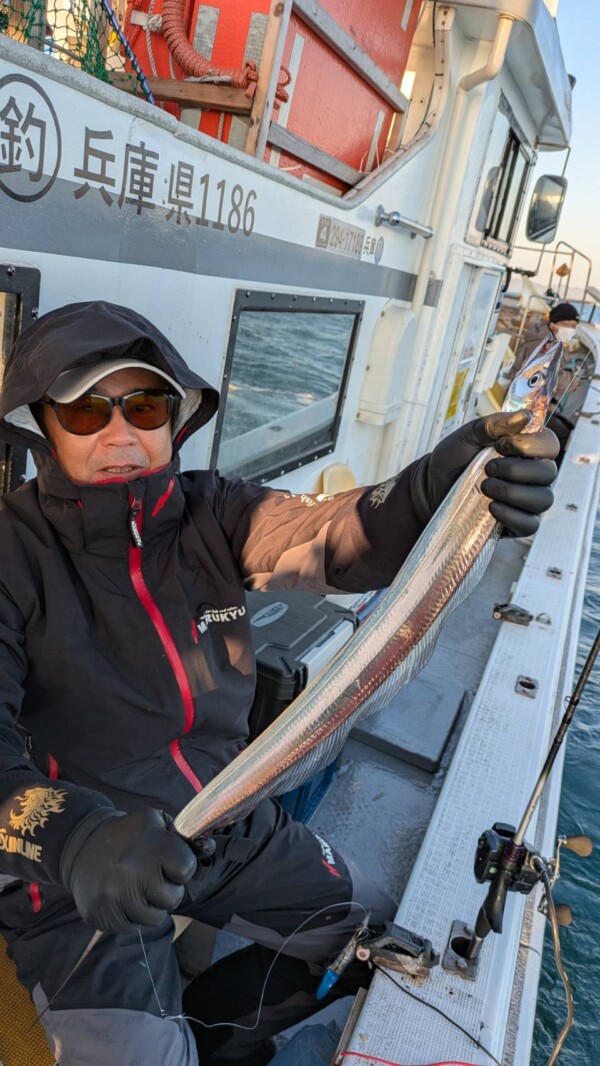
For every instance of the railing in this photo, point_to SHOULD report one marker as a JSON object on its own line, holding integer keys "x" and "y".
{"x": 559, "y": 290}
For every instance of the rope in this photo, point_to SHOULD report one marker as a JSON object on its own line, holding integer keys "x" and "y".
{"x": 190, "y": 61}
{"x": 196, "y": 66}
{"x": 217, "y": 79}
{"x": 127, "y": 49}
{"x": 98, "y": 45}
{"x": 150, "y": 18}
{"x": 150, "y": 21}
{"x": 281, "y": 97}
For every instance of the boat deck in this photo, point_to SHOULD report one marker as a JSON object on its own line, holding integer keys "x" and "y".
{"x": 498, "y": 756}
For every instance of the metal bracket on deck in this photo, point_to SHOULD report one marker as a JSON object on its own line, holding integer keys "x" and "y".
{"x": 397, "y": 948}
{"x": 511, "y": 612}
{"x": 527, "y": 686}
{"x": 454, "y": 960}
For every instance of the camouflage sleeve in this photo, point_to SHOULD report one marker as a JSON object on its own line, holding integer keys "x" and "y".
{"x": 352, "y": 542}
{"x": 36, "y": 814}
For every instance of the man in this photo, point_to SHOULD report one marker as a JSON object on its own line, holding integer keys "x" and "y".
{"x": 118, "y": 701}
{"x": 562, "y": 323}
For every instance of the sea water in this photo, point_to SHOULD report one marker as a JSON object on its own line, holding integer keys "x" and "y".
{"x": 579, "y": 883}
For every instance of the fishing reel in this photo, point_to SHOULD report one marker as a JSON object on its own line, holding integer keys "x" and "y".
{"x": 507, "y": 867}
{"x": 494, "y": 850}
{"x": 495, "y": 847}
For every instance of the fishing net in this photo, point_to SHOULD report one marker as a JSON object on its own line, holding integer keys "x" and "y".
{"x": 83, "y": 33}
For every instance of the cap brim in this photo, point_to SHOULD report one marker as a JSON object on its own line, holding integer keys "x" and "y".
{"x": 74, "y": 383}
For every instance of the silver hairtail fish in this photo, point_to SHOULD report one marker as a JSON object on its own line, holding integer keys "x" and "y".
{"x": 390, "y": 648}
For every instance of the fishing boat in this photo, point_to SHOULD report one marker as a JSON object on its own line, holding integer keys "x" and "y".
{"x": 319, "y": 203}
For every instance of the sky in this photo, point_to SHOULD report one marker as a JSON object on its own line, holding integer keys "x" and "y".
{"x": 579, "y": 30}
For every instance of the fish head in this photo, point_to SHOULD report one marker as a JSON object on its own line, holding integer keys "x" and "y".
{"x": 535, "y": 384}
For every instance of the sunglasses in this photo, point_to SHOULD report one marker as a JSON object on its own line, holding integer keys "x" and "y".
{"x": 144, "y": 409}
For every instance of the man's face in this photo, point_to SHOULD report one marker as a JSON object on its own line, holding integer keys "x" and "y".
{"x": 119, "y": 450}
{"x": 567, "y": 324}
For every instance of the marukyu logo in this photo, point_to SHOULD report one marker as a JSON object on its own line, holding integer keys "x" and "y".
{"x": 218, "y": 614}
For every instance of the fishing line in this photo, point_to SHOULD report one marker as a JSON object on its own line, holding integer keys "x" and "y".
{"x": 559, "y": 964}
{"x": 574, "y": 378}
{"x": 236, "y": 1025}
{"x": 94, "y": 940}
{"x": 251, "y": 1028}
{"x": 163, "y": 1013}
{"x": 438, "y": 1010}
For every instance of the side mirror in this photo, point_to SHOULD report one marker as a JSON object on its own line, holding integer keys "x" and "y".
{"x": 545, "y": 208}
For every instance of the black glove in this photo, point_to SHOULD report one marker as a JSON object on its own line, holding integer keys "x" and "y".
{"x": 126, "y": 870}
{"x": 518, "y": 484}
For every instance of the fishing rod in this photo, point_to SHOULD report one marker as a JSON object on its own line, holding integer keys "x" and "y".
{"x": 505, "y": 860}
{"x": 576, "y": 377}
{"x": 571, "y": 707}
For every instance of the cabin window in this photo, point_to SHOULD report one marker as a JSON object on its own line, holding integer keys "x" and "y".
{"x": 287, "y": 364}
{"x": 19, "y": 297}
{"x": 504, "y": 179}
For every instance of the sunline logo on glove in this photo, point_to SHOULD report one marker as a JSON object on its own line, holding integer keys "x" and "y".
{"x": 37, "y": 804}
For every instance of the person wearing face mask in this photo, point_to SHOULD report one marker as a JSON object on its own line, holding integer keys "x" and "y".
{"x": 564, "y": 329}
{"x": 562, "y": 323}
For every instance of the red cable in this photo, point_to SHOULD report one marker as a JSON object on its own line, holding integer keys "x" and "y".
{"x": 388, "y": 1062}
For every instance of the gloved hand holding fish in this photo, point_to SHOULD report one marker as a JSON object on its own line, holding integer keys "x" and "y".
{"x": 518, "y": 477}
{"x": 506, "y": 457}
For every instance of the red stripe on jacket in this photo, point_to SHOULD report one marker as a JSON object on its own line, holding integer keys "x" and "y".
{"x": 166, "y": 639}
{"x": 33, "y": 891}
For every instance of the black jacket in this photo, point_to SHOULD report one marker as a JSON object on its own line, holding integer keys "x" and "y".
{"x": 127, "y": 672}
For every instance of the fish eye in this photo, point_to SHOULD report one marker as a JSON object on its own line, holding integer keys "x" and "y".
{"x": 535, "y": 379}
